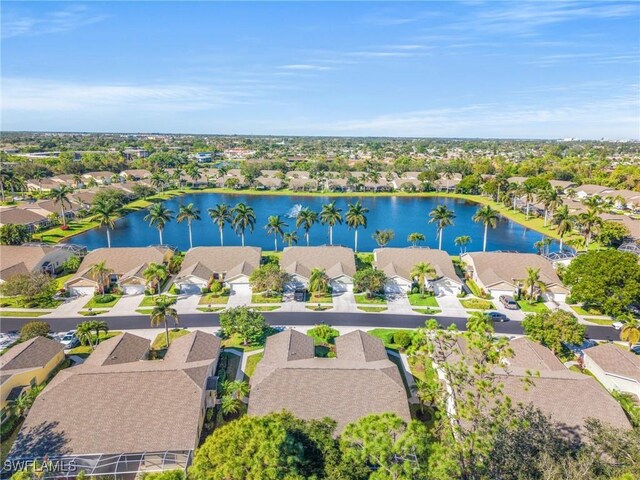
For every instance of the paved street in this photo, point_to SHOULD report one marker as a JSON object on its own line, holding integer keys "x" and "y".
{"x": 340, "y": 319}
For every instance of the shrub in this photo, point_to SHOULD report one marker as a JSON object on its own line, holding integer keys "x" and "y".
{"x": 107, "y": 298}
{"x": 415, "y": 289}
{"x": 216, "y": 287}
{"x": 402, "y": 338}
{"x": 174, "y": 290}
{"x": 323, "y": 333}
{"x": 34, "y": 329}
{"x": 206, "y": 290}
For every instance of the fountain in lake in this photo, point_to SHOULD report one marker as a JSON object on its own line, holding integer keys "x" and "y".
{"x": 293, "y": 212}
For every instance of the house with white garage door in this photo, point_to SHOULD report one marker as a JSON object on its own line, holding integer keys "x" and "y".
{"x": 397, "y": 264}
{"x": 617, "y": 369}
{"x": 230, "y": 265}
{"x": 503, "y": 273}
{"x": 126, "y": 265}
{"x": 339, "y": 263}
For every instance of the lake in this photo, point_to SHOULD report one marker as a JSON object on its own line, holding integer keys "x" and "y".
{"x": 404, "y": 215}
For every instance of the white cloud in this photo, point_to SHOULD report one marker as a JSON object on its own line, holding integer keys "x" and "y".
{"x": 16, "y": 24}
{"x": 304, "y": 66}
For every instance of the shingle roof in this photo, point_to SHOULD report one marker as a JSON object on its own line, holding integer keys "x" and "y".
{"x": 361, "y": 379}
{"x": 195, "y": 347}
{"x": 33, "y": 353}
{"x": 202, "y": 262}
{"x": 123, "y": 348}
{"x": 590, "y": 189}
{"x": 129, "y": 407}
{"x": 19, "y": 216}
{"x": 614, "y": 360}
{"x": 335, "y": 260}
{"x": 532, "y": 355}
{"x": 400, "y": 261}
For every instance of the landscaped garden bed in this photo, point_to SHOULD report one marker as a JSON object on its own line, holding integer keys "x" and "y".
{"x": 536, "y": 307}
{"x": 371, "y": 309}
{"x": 362, "y": 299}
{"x": 214, "y": 299}
{"x": 103, "y": 301}
{"x": 418, "y": 300}
{"x": 261, "y": 298}
{"x": 477, "y": 304}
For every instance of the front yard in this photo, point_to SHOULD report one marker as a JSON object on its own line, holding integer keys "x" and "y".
{"x": 417, "y": 300}
{"x": 261, "y": 298}
{"x": 214, "y": 299}
{"x": 252, "y": 363}
{"x": 586, "y": 310}
{"x": 537, "y": 307}
{"x": 326, "y": 298}
{"x": 362, "y": 299}
{"x": 103, "y": 301}
{"x": 477, "y": 304}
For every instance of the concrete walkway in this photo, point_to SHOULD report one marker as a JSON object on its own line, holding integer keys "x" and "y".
{"x": 344, "y": 302}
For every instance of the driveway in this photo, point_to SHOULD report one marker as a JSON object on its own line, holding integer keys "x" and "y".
{"x": 398, "y": 302}
{"x": 127, "y": 305}
{"x": 450, "y": 305}
{"x": 517, "y": 315}
{"x": 187, "y": 303}
{"x": 70, "y": 307}
{"x": 344, "y": 302}
{"x": 239, "y": 295}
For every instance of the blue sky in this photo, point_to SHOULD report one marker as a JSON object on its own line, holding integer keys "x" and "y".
{"x": 431, "y": 69}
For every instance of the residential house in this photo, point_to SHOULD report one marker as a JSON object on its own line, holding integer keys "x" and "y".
{"x": 623, "y": 199}
{"x": 586, "y": 191}
{"x": 304, "y": 184}
{"x": 134, "y": 152}
{"x": 268, "y": 183}
{"x": 26, "y": 365}
{"x": 397, "y": 264}
{"x": 126, "y": 265}
{"x": 615, "y": 368}
{"x": 632, "y": 224}
{"x": 21, "y": 216}
{"x": 503, "y": 273}
{"x": 363, "y": 380}
{"x": 230, "y": 265}
{"x": 447, "y": 183}
{"x": 517, "y": 180}
{"x": 22, "y": 259}
{"x": 338, "y": 263}
{"x": 119, "y": 413}
{"x": 101, "y": 178}
{"x": 562, "y": 185}
{"x": 135, "y": 174}
{"x": 41, "y": 185}
{"x": 48, "y": 207}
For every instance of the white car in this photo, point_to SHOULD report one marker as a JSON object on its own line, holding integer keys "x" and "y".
{"x": 617, "y": 325}
{"x": 69, "y": 340}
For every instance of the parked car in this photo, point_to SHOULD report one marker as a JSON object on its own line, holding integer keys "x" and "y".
{"x": 497, "y": 316}
{"x": 69, "y": 340}
{"x": 509, "y": 302}
{"x": 617, "y": 325}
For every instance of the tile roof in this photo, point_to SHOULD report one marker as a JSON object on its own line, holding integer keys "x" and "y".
{"x": 202, "y": 262}
{"x": 532, "y": 355}
{"x": 34, "y": 353}
{"x": 400, "y": 261}
{"x": 21, "y": 258}
{"x": 615, "y": 360}
{"x": 336, "y": 261}
{"x": 20, "y": 216}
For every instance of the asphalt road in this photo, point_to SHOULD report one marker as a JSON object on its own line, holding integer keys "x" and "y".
{"x": 291, "y": 319}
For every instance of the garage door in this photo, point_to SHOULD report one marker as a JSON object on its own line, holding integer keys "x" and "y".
{"x": 83, "y": 291}
{"x": 445, "y": 288}
{"x": 340, "y": 287}
{"x": 190, "y": 288}
{"x": 133, "y": 289}
{"x": 394, "y": 288}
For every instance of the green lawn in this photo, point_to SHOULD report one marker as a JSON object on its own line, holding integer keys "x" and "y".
{"x": 93, "y": 304}
{"x": 537, "y": 307}
{"x": 252, "y": 363}
{"x": 214, "y": 299}
{"x": 418, "y": 300}
{"x": 427, "y": 311}
{"x": 320, "y": 299}
{"x": 148, "y": 301}
{"x": 92, "y": 313}
{"x": 234, "y": 341}
{"x": 19, "y": 302}
{"x": 144, "y": 311}
{"x": 386, "y": 335}
{"x": 209, "y": 310}
{"x": 160, "y": 342}
{"x": 362, "y": 299}
{"x": 259, "y": 298}
{"x": 473, "y": 286}
{"x": 599, "y": 321}
{"x": 372, "y": 309}
{"x": 22, "y": 314}
{"x": 585, "y": 310}
{"x": 477, "y": 303}
{"x": 269, "y": 308}
{"x": 61, "y": 280}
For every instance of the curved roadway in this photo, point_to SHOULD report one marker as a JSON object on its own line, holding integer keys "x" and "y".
{"x": 369, "y": 320}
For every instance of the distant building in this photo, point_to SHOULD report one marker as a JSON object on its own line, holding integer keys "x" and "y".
{"x": 131, "y": 153}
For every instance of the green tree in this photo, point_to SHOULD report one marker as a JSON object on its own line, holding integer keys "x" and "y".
{"x": 355, "y": 218}
{"x": 383, "y": 237}
{"x": 188, "y": 213}
{"x": 268, "y": 279}
{"x": 12, "y": 234}
{"x": 323, "y": 333}
{"x": 290, "y": 238}
{"x": 443, "y": 218}
{"x": 415, "y": 238}
{"x": 564, "y": 222}
{"x": 532, "y": 283}
{"x": 462, "y": 242}
{"x": 158, "y": 216}
{"x": 60, "y": 196}
{"x": 248, "y": 324}
{"x": 422, "y": 272}
{"x": 551, "y": 200}
{"x": 306, "y": 218}
{"x": 275, "y": 226}
{"x": 554, "y": 329}
{"x": 489, "y": 218}
{"x": 33, "y": 289}
{"x": 390, "y": 447}
{"x": 34, "y": 329}
{"x": 630, "y": 331}
{"x": 155, "y": 274}
{"x": 370, "y": 280}
{"x": 162, "y": 311}
{"x": 72, "y": 264}
{"x": 609, "y": 279}
{"x": 232, "y": 394}
{"x": 612, "y": 234}
{"x": 590, "y": 221}
{"x": 243, "y": 217}
{"x": 99, "y": 272}
{"x": 318, "y": 282}
{"x": 84, "y": 332}
{"x": 221, "y": 214}
{"x": 331, "y": 215}
{"x": 105, "y": 212}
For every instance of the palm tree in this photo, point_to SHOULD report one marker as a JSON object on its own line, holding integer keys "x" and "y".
{"x": 528, "y": 192}
{"x": 630, "y": 331}
{"x": 275, "y": 227}
{"x": 99, "y": 326}
{"x": 84, "y": 332}
{"x": 594, "y": 202}
{"x": 291, "y": 238}
{"x": 462, "y": 242}
{"x": 306, "y": 218}
{"x": 221, "y": 215}
{"x": 383, "y": 237}
{"x": 161, "y": 313}
{"x": 159, "y": 216}
{"x": 551, "y": 200}
{"x": 422, "y": 271}
{"x": 60, "y": 196}
{"x": 589, "y": 220}
{"x": 318, "y": 282}
{"x": 533, "y": 283}
{"x": 100, "y": 273}
{"x": 356, "y": 217}
{"x": 489, "y": 218}
{"x": 243, "y": 217}
{"x": 564, "y": 221}
{"x": 188, "y": 213}
{"x": 155, "y": 273}
{"x": 331, "y": 215}
{"x": 232, "y": 394}
{"x": 415, "y": 238}
{"x": 105, "y": 213}
{"x": 479, "y": 322}
{"x": 443, "y": 218}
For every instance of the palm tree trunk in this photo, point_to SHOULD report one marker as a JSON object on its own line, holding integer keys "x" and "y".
{"x": 108, "y": 238}
{"x": 2, "y": 190}
{"x": 64, "y": 217}
{"x": 166, "y": 330}
{"x": 160, "y": 232}
{"x": 356, "y": 241}
{"x": 190, "y": 236}
{"x": 440, "y": 239}
{"x": 243, "y": 238}
{"x": 561, "y": 240}
{"x": 275, "y": 242}
{"x": 221, "y": 237}
{"x": 545, "y": 216}
{"x": 306, "y": 234}
{"x": 484, "y": 242}
{"x": 330, "y": 234}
